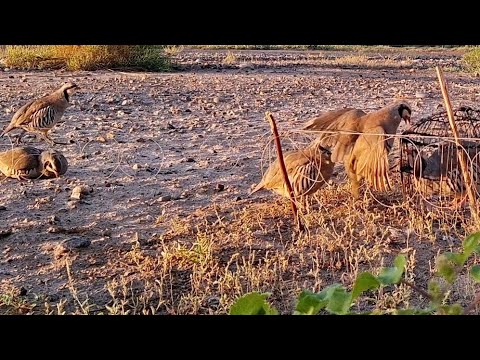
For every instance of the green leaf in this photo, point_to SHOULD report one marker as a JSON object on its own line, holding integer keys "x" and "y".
{"x": 339, "y": 301}
{"x": 435, "y": 291}
{"x": 470, "y": 243}
{"x": 310, "y": 303}
{"x": 455, "y": 309}
{"x": 457, "y": 258}
{"x": 253, "y": 304}
{"x": 445, "y": 268}
{"x": 392, "y": 275}
{"x": 365, "y": 281}
{"x": 477, "y": 249}
{"x": 475, "y": 273}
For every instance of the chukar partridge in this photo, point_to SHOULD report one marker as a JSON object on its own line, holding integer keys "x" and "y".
{"x": 361, "y": 141}
{"x": 443, "y": 165}
{"x": 30, "y": 163}
{"x": 308, "y": 170}
{"x": 41, "y": 115}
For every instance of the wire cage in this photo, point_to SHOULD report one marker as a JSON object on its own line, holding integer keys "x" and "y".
{"x": 429, "y": 157}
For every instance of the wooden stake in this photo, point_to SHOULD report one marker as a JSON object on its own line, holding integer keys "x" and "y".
{"x": 461, "y": 154}
{"x": 278, "y": 145}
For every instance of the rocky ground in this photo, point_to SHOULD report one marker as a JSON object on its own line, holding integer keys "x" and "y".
{"x": 151, "y": 148}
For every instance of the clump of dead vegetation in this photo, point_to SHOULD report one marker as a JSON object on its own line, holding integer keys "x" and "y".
{"x": 86, "y": 57}
{"x": 472, "y": 60}
{"x": 202, "y": 263}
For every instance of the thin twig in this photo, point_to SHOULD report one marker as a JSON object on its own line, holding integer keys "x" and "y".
{"x": 461, "y": 155}
{"x": 281, "y": 161}
{"x": 417, "y": 289}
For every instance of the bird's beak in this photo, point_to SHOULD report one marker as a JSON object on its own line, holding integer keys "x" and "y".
{"x": 50, "y": 168}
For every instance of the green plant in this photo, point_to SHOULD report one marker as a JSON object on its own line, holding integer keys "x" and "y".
{"x": 336, "y": 299}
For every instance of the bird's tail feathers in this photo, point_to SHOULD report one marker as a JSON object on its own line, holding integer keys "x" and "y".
{"x": 257, "y": 188}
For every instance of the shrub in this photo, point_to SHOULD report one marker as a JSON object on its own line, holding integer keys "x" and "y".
{"x": 472, "y": 60}
{"x": 87, "y": 57}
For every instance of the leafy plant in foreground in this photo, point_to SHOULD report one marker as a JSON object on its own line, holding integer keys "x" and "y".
{"x": 336, "y": 299}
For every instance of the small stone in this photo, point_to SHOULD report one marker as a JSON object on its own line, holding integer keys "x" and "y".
{"x": 72, "y": 204}
{"x": 216, "y": 100}
{"x": 69, "y": 245}
{"x": 124, "y": 102}
{"x": 79, "y": 191}
{"x": 220, "y": 187}
{"x": 76, "y": 243}
{"x": 136, "y": 167}
{"x": 164, "y": 198}
{"x": 246, "y": 66}
{"x": 421, "y": 95}
{"x": 52, "y": 219}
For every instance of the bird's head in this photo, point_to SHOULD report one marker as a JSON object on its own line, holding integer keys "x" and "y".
{"x": 68, "y": 89}
{"x": 54, "y": 163}
{"x": 405, "y": 112}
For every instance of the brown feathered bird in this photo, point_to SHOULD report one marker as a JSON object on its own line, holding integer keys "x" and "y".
{"x": 30, "y": 163}
{"x": 442, "y": 165}
{"x": 41, "y": 115}
{"x": 308, "y": 170}
{"x": 361, "y": 141}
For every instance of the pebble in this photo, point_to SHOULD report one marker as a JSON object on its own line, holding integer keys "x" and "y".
{"x": 79, "y": 191}
{"x": 71, "y": 244}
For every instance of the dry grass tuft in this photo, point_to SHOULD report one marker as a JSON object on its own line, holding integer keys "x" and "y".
{"x": 86, "y": 57}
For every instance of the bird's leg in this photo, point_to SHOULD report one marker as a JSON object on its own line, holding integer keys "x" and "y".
{"x": 17, "y": 142}
{"x": 354, "y": 183}
{"x": 49, "y": 140}
{"x": 352, "y": 176}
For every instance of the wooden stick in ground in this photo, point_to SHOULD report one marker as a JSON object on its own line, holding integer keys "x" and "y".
{"x": 278, "y": 145}
{"x": 461, "y": 154}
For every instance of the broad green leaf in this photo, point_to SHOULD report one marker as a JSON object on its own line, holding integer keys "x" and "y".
{"x": 445, "y": 268}
{"x": 475, "y": 273}
{"x": 457, "y": 258}
{"x": 310, "y": 303}
{"x": 455, "y": 309}
{"x": 392, "y": 275}
{"x": 435, "y": 291}
{"x": 477, "y": 249}
{"x": 470, "y": 243}
{"x": 339, "y": 301}
{"x": 365, "y": 281}
{"x": 253, "y": 304}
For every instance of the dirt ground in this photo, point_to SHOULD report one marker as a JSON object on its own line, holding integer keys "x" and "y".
{"x": 166, "y": 155}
